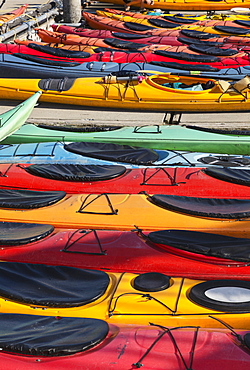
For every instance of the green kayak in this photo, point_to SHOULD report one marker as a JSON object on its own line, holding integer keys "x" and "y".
{"x": 14, "y": 118}
{"x": 156, "y": 137}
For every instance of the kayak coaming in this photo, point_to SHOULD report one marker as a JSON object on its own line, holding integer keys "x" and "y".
{"x": 148, "y": 95}
{"x": 121, "y": 212}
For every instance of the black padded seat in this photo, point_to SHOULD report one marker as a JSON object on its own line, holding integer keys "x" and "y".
{"x": 188, "y": 57}
{"x": 137, "y": 27}
{"x": 114, "y": 152}
{"x": 186, "y": 67}
{"x": 179, "y": 19}
{"x": 48, "y": 62}
{"x": 129, "y": 36}
{"x": 123, "y": 44}
{"x": 18, "y": 233}
{"x": 210, "y": 50}
{"x": 193, "y": 41}
{"x": 51, "y": 286}
{"x": 160, "y": 23}
{"x": 204, "y": 207}
{"x": 225, "y": 160}
{"x": 76, "y": 172}
{"x": 27, "y": 199}
{"x": 151, "y": 282}
{"x": 33, "y": 335}
{"x": 198, "y": 34}
{"x": 241, "y": 22}
{"x": 222, "y": 295}
{"x": 233, "y": 175}
{"x": 233, "y": 30}
{"x": 59, "y": 52}
{"x": 211, "y": 245}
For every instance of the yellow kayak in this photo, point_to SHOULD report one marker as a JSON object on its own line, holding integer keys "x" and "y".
{"x": 182, "y": 5}
{"x": 163, "y": 93}
{"x": 207, "y": 25}
{"x": 124, "y": 211}
{"x": 123, "y": 298}
{"x": 176, "y": 17}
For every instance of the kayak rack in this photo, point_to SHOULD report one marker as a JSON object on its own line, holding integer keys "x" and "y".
{"x": 172, "y": 118}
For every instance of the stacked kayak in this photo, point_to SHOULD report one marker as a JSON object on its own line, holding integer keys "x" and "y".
{"x": 85, "y": 153}
{"x": 123, "y": 211}
{"x": 156, "y": 137}
{"x": 163, "y": 93}
{"x": 99, "y": 345}
{"x": 71, "y": 292}
{"x": 196, "y": 255}
{"x": 73, "y": 178}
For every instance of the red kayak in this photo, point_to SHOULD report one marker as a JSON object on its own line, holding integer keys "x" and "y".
{"x": 32, "y": 341}
{"x": 117, "y": 179}
{"x": 194, "y": 255}
{"x": 44, "y": 52}
{"x": 116, "y": 56}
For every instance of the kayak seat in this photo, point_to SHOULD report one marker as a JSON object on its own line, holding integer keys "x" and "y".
{"x": 151, "y": 282}
{"x": 233, "y": 175}
{"x": 76, "y": 172}
{"x": 137, "y": 27}
{"x": 232, "y": 30}
{"x": 204, "y": 207}
{"x": 212, "y": 50}
{"x": 225, "y": 160}
{"x": 114, "y": 152}
{"x": 51, "y": 286}
{"x": 28, "y": 199}
{"x": 186, "y": 56}
{"x": 33, "y": 335}
{"x": 18, "y": 233}
{"x": 222, "y": 295}
{"x": 56, "y": 84}
{"x": 186, "y": 67}
{"x": 160, "y": 23}
{"x": 205, "y": 244}
{"x": 198, "y": 34}
{"x": 129, "y": 36}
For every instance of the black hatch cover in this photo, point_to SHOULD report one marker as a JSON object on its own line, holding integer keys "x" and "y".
{"x": 114, "y": 152}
